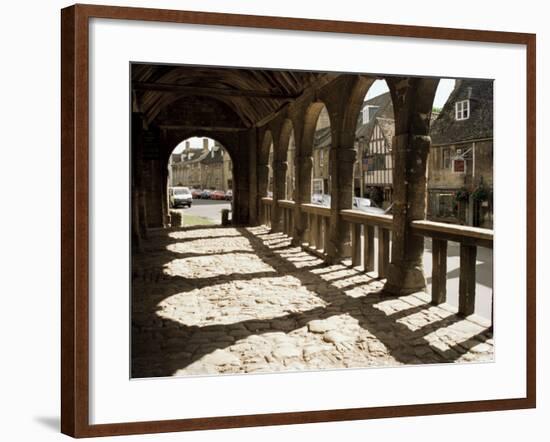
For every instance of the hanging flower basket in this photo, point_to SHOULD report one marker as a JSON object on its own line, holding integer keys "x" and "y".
{"x": 481, "y": 193}
{"x": 462, "y": 195}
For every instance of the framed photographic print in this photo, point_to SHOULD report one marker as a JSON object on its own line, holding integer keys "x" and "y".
{"x": 275, "y": 220}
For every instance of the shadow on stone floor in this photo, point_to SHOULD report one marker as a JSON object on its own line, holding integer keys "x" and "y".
{"x": 162, "y": 346}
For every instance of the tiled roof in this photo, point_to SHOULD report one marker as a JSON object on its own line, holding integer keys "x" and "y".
{"x": 447, "y": 130}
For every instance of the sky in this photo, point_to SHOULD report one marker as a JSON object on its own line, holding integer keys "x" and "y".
{"x": 444, "y": 89}
{"x": 195, "y": 142}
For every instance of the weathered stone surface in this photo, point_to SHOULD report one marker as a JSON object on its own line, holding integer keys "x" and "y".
{"x": 376, "y": 347}
{"x": 482, "y": 348}
{"x": 318, "y": 326}
{"x": 287, "y": 351}
{"x": 335, "y": 337}
{"x": 312, "y": 350}
{"x": 221, "y": 357}
{"x": 278, "y": 309}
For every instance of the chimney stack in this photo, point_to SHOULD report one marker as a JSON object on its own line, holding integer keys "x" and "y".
{"x": 187, "y": 145}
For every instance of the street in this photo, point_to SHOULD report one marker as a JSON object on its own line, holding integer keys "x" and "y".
{"x": 484, "y": 276}
{"x": 210, "y": 209}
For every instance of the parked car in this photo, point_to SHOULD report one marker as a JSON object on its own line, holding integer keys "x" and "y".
{"x": 364, "y": 204}
{"x": 217, "y": 195}
{"x": 321, "y": 199}
{"x": 369, "y": 206}
{"x": 196, "y": 193}
{"x": 229, "y": 195}
{"x": 180, "y": 196}
{"x": 205, "y": 195}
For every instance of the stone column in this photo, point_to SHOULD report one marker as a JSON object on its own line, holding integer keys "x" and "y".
{"x": 279, "y": 181}
{"x": 241, "y": 184}
{"x": 406, "y": 271}
{"x": 138, "y": 170}
{"x": 412, "y": 101}
{"x": 155, "y": 194}
{"x": 262, "y": 171}
{"x": 341, "y": 164}
{"x": 136, "y": 230}
{"x": 165, "y": 205}
{"x": 142, "y": 212}
{"x": 302, "y": 195}
{"x": 253, "y": 151}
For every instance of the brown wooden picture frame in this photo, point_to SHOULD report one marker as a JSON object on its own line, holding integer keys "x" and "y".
{"x": 75, "y": 227}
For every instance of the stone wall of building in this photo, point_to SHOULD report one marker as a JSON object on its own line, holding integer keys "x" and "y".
{"x": 202, "y": 168}
{"x": 461, "y": 192}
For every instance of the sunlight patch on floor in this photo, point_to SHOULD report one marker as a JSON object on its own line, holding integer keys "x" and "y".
{"x": 208, "y": 246}
{"x": 204, "y": 233}
{"x": 210, "y": 266}
{"x": 258, "y": 299}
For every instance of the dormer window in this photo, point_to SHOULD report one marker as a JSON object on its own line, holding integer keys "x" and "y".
{"x": 462, "y": 110}
{"x": 368, "y": 113}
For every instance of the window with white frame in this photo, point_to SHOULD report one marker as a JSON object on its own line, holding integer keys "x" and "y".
{"x": 462, "y": 110}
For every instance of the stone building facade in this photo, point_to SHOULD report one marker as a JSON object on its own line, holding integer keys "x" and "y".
{"x": 460, "y": 165}
{"x": 202, "y": 168}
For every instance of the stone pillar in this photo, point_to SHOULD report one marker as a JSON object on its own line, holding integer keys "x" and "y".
{"x": 241, "y": 184}
{"x": 341, "y": 164}
{"x": 142, "y": 212}
{"x": 262, "y": 171}
{"x": 302, "y": 195}
{"x": 406, "y": 271}
{"x": 253, "y": 151}
{"x": 139, "y": 209}
{"x": 136, "y": 231}
{"x": 263, "y": 177}
{"x": 412, "y": 102}
{"x": 164, "y": 189}
{"x": 155, "y": 194}
{"x": 279, "y": 181}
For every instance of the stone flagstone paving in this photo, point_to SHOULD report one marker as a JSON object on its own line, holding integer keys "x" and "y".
{"x": 243, "y": 300}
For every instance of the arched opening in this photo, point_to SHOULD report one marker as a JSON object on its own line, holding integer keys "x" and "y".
{"x": 320, "y": 174}
{"x": 200, "y": 182}
{"x": 373, "y": 170}
{"x": 291, "y": 168}
{"x": 265, "y": 162}
{"x": 287, "y": 154}
{"x": 270, "y": 157}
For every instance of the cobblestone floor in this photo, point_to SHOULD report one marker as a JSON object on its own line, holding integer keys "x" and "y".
{"x": 242, "y": 300}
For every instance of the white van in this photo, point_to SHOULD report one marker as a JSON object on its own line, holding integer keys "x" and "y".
{"x": 180, "y": 196}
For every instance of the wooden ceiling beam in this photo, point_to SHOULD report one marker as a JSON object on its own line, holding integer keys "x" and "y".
{"x": 170, "y": 87}
{"x": 203, "y": 128}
